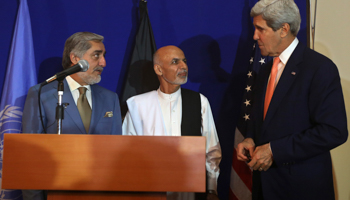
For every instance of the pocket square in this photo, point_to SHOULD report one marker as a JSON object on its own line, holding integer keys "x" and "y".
{"x": 109, "y": 114}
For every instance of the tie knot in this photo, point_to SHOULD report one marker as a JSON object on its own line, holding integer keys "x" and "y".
{"x": 82, "y": 90}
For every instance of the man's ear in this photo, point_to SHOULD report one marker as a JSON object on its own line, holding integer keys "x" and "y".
{"x": 157, "y": 70}
{"x": 285, "y": 30}
{"x": 74, "y": 59}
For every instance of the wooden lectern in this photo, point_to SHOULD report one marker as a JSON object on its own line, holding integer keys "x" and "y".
{"x": 104, "y": 166}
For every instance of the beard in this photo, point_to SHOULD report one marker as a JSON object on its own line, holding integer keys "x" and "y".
{"x": 179, "y": 80}
{"x": 91, "y": 79}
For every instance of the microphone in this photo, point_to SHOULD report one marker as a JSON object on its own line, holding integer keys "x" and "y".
{"x": 82, "y": 65}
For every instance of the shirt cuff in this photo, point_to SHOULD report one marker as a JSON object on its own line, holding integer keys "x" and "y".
{"x": 212, "y": 185}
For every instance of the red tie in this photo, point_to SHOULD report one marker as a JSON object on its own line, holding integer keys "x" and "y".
{"x": 271, "y": 85}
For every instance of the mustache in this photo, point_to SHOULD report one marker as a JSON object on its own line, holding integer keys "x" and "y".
{"x": 98, "y": 69}
{"x": 182, "y": 71}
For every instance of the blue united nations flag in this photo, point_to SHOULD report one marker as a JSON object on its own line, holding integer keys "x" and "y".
{"x": 20, "y": 76}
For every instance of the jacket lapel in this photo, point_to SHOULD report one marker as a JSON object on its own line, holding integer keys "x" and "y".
{"x": 97, "y": 106}
{"x": 265, "y": 73}
{"x": 260, "y": 89}
{"x": 71, "y": 109}
{"x": 287, "y": 79}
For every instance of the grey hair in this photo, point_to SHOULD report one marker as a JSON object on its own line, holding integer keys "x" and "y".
{"x": 78, "y": 44}
{"x": 278, "y": 12}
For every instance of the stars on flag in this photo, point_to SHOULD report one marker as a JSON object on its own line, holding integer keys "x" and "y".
{"x": 256, "y": 62}
{"x": 262, "y": 61}
{"x": 250, "y": 74}
{"x": 247, "y": 102}
{"x": 248, "y": 88}
{"x": 246, "y": 117}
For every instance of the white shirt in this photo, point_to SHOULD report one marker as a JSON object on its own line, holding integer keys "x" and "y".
{"x": 73, "y": 86}
{"x": 170, "y": 105}
{"x": 284, "y": 57}
{"x": 157, "y": 113}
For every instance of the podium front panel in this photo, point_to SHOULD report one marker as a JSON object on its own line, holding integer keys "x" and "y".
{"x": 104, "y": 163}
{"x": 76, "y": 195}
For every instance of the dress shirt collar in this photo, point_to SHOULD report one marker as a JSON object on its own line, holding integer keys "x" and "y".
{"x": 285, "y": 55}
{"x": 73, "y": 85}
{"x": 169, "y": 97}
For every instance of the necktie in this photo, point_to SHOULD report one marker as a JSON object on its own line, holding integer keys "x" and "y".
{"x": 271, "y": 85}
{"x": 84, "y": 108}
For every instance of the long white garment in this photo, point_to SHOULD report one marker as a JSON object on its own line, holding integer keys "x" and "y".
{"x": 160, "y": 114}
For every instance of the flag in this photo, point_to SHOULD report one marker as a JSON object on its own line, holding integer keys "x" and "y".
{"x": 20, "y": 76}
{"x": 241, "y": 174}
{"x": 141, "y": 77}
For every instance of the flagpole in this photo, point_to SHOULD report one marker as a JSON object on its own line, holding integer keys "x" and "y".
{"x": 313, "y": 24}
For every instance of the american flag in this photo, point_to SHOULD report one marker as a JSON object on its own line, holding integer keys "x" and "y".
{"x": 241, "y": 174}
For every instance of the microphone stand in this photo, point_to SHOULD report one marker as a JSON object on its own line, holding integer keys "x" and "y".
{"x": 60, "y": 107}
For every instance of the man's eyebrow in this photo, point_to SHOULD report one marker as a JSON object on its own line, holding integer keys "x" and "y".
{"x": 179, "y": 58}
{"x": 98, "y": 51}
{"x": 257, "y": 26}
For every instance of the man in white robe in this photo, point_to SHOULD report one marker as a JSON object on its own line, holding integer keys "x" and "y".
{"x": 162, "y": 113}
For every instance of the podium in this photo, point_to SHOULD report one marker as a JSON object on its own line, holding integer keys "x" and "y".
{"x": 104, "y": 167}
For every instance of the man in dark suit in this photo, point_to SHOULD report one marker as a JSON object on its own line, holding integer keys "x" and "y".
{"x": 103, "y": 105}
{"x": 298, "y": 114}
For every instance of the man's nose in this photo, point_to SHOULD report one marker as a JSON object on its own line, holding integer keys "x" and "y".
{"x": 255, "y": 36}
{"x": 102, "y": 62}
{"x": 183, "y": 65}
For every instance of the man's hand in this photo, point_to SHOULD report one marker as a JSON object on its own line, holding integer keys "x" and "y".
{"x": 212, "y": 197}
{"x": 261, "y": 158}
{"x": 245, "y": 149}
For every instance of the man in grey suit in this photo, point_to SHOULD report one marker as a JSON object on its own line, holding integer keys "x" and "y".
{"x": 104, "y": 112}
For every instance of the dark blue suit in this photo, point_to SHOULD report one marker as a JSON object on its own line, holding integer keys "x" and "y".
{"x": 305, "y": 120}
{"x": 103, "y": 101}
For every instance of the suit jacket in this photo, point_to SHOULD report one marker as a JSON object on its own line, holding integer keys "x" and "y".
{"x": 103, "y": 101}
{"x": 305, "y": 120}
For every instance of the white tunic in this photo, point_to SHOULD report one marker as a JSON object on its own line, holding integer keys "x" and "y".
{"x": 160, "y": 114}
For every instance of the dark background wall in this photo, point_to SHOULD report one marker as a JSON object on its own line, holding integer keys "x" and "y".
{"x": 216, "y": 37}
